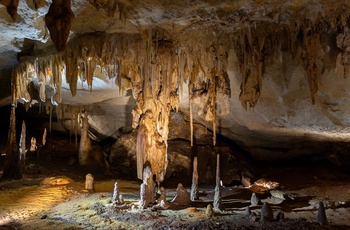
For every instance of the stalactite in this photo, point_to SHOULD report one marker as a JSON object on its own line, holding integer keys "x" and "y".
{"x": 58, "y": 20}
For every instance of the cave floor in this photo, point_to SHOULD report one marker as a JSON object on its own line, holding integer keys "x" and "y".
{"x": 54, "y": 198}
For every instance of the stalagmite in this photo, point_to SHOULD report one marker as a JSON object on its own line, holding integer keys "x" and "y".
{"x": 116, "y": 195}
{"x": 266, "y": 213}
{"x": 22, "y": 143}
{"x": 58, "y": 20}
{"x": 209, "y": 212}
{"x": 44, "y": 137}
{"x": 85, "y": 143}
{"x": 254, "y": 200}
{"x": 217, "y": 194}
{"x": 12, "y": 165}
{"x": 194, "y": 187}
{"x": 182, "y": 197}
{"x": 162, "y": 196}
{"x": 321, "y": 214}
{"x": 89, "y": 182}
{"x": 147, "y": 189}
{"x": 143, "y": 203}
{"x": 33, "y": 146}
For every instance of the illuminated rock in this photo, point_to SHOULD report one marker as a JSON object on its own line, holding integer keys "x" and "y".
{"x": 89, "y": 183}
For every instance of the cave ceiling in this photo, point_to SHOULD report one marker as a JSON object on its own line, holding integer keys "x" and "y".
{"x": 259, "y": 72}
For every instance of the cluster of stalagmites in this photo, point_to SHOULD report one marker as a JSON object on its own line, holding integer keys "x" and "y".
{"x": 266, "y": 212}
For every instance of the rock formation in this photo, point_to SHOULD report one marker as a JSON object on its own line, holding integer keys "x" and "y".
{"x": 182, "y": 197}
{"x": 116, "y": 197}
{"x": 262, "y": 74}
{"x": 11, "y": 7}
{"x": 209, "y": 212}
{"x": 217, "y": 194}
{"x": 58, "y": 20}
{"x": 266, "y": 213}
{"x": 22, "y": 143}
{"x": 89, "y": 183}
{"x": 12, "y": 164}
{"x": 162, "y": 196}
{"x": 147, "y": 189}
{"x": 321, "y": 214}
{"x": 254, "y": 200}
{"x": 194, "y": 186}
{"x": 85, "y": 143}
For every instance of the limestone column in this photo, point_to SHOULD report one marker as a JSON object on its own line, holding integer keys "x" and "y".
{"x": 85, "y": 143}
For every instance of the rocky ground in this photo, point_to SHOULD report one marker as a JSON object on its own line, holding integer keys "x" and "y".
{"x": 52, "y": 196}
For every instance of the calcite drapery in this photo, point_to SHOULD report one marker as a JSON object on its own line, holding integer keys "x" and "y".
{"x": 58, "y": 20}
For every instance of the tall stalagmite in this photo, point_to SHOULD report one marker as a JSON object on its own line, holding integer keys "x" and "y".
{"x": 217, "y": 194}
{"x": 22, "y": 143}
{"x": 85, "y": 143}
{"x": 194, "y": 187}
{"x": 12, "y": 165}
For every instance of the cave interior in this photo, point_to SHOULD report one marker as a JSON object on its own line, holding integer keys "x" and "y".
{"x": 162, "y": 114}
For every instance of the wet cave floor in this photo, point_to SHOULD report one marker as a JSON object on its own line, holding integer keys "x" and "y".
{"x": 51, "y": 195}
